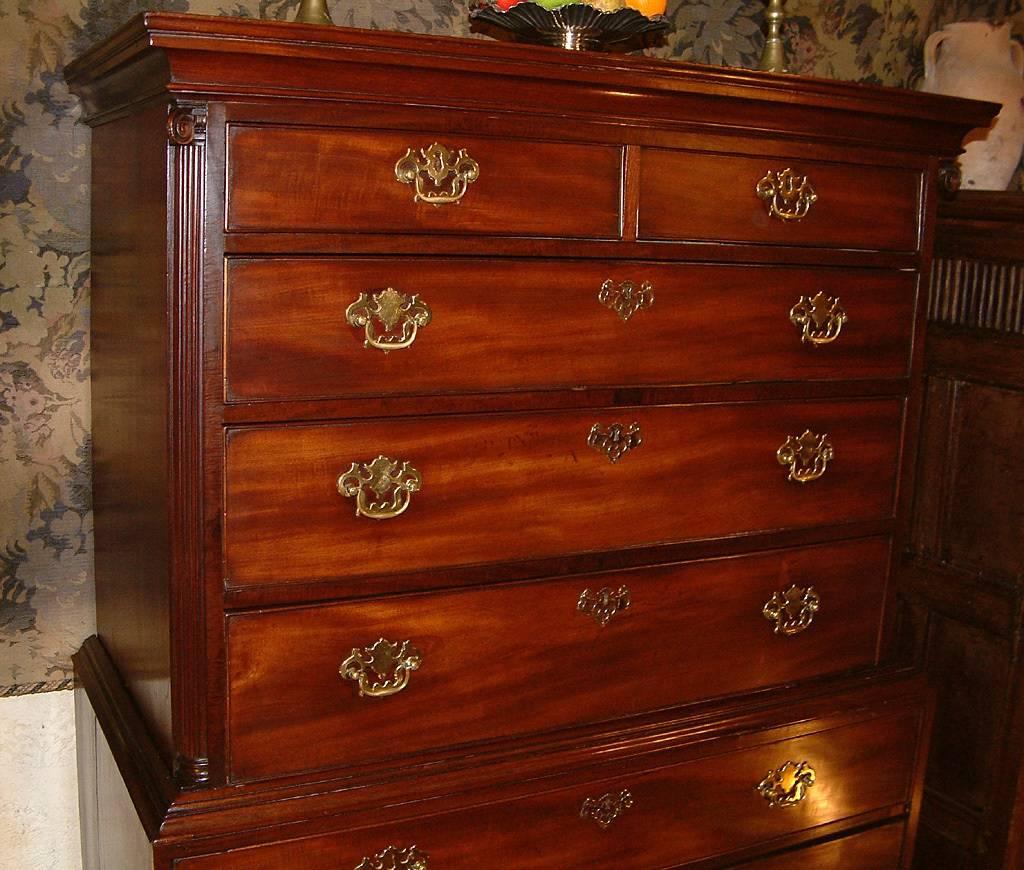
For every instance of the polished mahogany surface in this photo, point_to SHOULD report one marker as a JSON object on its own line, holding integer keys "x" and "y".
{"x": 437, "y": 355}
{"x": 497, "y": 488}
{"x": 338, "y": 179}
{"x": 503, "y": 325}
{"x": 671, "y": 815}
{"x": 871, "y": 207}
{"x": 700, "y": 809}
{"x": 879, "y": 849}
{"x": 709, "y": 615}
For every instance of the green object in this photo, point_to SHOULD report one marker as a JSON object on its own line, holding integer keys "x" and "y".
{"x": 554, "y": 4}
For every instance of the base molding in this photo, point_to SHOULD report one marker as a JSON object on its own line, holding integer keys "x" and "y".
{"x": 143, "y": 769}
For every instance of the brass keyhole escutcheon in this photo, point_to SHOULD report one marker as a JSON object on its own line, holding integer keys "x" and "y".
{"x": 607, "y": 808}
{"x": 603, "y": 604}
{"x": 626, "y": 298}
{"x": 615, "y": 441}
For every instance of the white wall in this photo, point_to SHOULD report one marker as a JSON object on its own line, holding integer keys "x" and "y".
{"x": 38, "y": 783}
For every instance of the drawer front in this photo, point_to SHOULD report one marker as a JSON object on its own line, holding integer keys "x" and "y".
{"x": 501, "y": 661}
{"x": 306, "y": 328}
{"x": 689, "y": 195}
{"x": 480, "y": 489}
{"x": 877, "y": 849}
{"x": 344, "y": 180}
{"x": 668, "y": 816}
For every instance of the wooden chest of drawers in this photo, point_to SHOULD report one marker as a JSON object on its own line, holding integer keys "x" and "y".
{"x": 500, "y": 455}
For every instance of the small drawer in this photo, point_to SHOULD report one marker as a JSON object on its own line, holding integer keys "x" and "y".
{"x": 311, "y": 328}
{"x": 777, "y": 200}
{"x": 328, "y": 179}
{"x": 458, "y": 667}
{"x": 666, "y": 816}
{"x": 877, "y": 849}
{"x": 426, "y": 493}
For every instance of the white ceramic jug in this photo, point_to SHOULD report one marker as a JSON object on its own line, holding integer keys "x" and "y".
{"x": 978, "y": 60}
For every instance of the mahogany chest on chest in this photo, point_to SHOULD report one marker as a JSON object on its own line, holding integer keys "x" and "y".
{"x": 501, "y": 454}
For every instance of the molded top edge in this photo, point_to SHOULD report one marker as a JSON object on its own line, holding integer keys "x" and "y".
{"x": 174, "y": 32}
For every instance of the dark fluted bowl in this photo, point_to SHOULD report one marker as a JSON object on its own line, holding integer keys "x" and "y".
{"x": 577, "y": 26}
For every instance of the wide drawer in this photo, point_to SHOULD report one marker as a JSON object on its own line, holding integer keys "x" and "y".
{"x": 877, "y": 849}
{"x": 651, "y": 818}
{"x": 328, "y": 179}
{"x": 507, "y": 660}
{"x": 425, "y": 493}
{"x": 305, "y": 328}
{"x": 688, "y": 195}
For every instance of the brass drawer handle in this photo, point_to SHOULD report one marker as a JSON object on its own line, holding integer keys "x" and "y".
{"x": 792, "y": 611}
{"x": 391, "y": 309}
{"x": 603, "y": 604}
{"x": 441, "y": 177}
{"x": 787, "y": 785}
{"x": 393, "y": 858}
{"x": 819, "y": 318}
{"x": 607, "y": 808}
{"x": 807, "y": 456}
{"x": 381, "y": 669}
{"x": 392, "y": 483}
{"x": 626, "y": 299}
{"x": 786, "y": 195}
{"x": 615, "y": 441}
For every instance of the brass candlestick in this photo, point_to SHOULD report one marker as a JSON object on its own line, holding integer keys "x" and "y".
{"x": 773, "y": 58}
{"x": 313, "y": 12}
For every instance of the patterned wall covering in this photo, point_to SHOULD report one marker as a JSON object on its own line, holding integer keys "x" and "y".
{"x": 45, "y": 519}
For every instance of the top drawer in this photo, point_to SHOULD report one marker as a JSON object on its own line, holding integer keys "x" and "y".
{"x": 777, "y": 201}
{"x": 303, "y": 179}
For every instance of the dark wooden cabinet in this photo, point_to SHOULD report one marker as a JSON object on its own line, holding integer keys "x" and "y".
{"x": 500, "y": 452}
{"x": 964, "y": 581}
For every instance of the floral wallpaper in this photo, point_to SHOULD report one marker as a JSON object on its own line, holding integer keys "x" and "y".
{"x": 46, "y": 596}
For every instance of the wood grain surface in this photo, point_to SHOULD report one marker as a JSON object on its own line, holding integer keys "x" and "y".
{"x": 502, "y": 325}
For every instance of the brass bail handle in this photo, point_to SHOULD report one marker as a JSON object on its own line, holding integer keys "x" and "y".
{"x": 390, "y": 320}
{"x": 788, "y": 784}
{"x": 439, "y": 175}
{"x": 792, "y": 611}
{"x": 819, "y": 318}
{"x": 381, "y": 669}
{"x": 807, "y": 456}
{"x": 786, "y": 195}
{"x": 382, "y": 488}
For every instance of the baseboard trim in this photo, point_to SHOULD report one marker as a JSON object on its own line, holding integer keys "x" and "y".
{"x": 145, "y": 772}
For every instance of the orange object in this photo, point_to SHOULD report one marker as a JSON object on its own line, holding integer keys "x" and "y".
{"x": 650, "y": 8}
